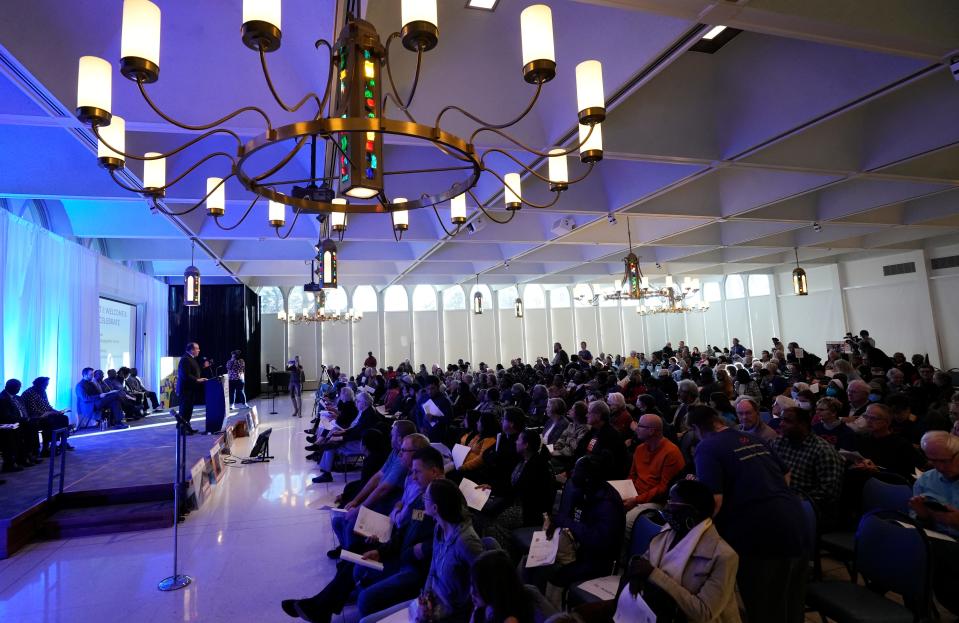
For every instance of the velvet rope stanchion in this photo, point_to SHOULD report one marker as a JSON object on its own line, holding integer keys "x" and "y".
{"x": 177, "y": 580}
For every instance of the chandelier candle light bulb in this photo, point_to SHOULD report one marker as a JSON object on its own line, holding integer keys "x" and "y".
{"x": 513, "y": 191}
{"x": 140, "y": 41}
{"x": 94, "y": 84}
{"x": 261, "y": 24}
{"x": 216, "y": 201}
{"x": 558, "y": 170}
{"x": 591, "y": 149}
{"x": 154, "y": 174}
{"x": 590, "y": 98}
{"x": 115, "y": 134}
{"x": 276, "y": 214}
{"x": 539, "y": 58}
{"x": 338, "y": 219}
{"x": 420, "y": 31}
{"x": 401, "y": 218}
{"x": 458, "y": 209}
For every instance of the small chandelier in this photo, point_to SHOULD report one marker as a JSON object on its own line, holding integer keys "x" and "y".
{"x": 477, "y": 299}
{"x": 349, "y": 114}
{"x": 191, "y": 282}
{"x": 518, "y": 307}
{"x": 348, "y": 317}
{"x": 800, "y": 284}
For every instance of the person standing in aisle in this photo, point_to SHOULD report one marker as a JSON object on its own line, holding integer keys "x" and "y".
{"x": 297, "y": 377}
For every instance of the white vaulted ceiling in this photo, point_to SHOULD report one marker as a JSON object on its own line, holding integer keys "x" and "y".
{"x": 828, "y": 112}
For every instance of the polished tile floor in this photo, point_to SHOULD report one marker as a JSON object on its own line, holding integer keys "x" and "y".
{"x": 261, "y": 538}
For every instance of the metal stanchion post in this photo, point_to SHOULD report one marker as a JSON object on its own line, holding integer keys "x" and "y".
{"x": 177, "y": 581}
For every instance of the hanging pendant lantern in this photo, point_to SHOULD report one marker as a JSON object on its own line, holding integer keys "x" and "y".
{"x": 800, "y": 284}
{"x": 328, "y": 278}
{"x": 191, "y": 283}
{"x": 477, "y": 299}
{"x": 518, "y": 307}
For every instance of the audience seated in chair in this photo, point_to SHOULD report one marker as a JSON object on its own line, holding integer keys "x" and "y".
{"x": 45, "y": 418}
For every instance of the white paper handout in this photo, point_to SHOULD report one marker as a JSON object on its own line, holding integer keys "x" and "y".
{"x": 625, "y": 488}
{"x": 459, "y": 455}
{"x": 475, "y": 498}
{"x": 630, "y": 609}
{"x": 430, "y": 408}
{"x": 372, "y": 524}
{"x": 605, "y": 588}
{"x": 542, "y": 551}
{"x": 402, "y": 616}
{"x": 932, "y": 534}
{"x": 356, "y": 559}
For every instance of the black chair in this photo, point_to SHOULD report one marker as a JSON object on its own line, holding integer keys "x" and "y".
{"x": 891, "y": 557}
{"x": 644, "y": 529}
{"x": 888, "y": 492}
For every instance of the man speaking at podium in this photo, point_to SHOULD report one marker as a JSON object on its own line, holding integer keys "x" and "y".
{"x": 189, "y": 380}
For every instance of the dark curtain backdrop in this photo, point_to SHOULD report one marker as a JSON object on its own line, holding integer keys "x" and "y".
{"x": 227, "y": 319}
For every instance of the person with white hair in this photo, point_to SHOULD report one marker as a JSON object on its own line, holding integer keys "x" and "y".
{"x": 858, "y": 393}
{"x": 619, "y": 416}
{"x": 935, "y": 505}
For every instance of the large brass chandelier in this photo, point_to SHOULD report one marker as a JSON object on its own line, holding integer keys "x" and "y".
{"x": 349, "y": 115}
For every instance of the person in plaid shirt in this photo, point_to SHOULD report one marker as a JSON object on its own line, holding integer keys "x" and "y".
{"x": 815, "y": 467}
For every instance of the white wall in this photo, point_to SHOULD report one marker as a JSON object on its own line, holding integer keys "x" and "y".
{"x": 715, "y": 325}
{"x": 366, "y": 338}
{"x": 562, "y": 321}
{"x": 611, "y": 333}
{"x": 397, "y": 337}
{"x": 483, "y": 338}
{"x": 272, "y": 341}
{"x": 675, "y": 328}
{"x": 426, "y": 338}
{"x": 656, "y": 331}
{"x": 586, "y": 330}
{"x": 304, "y": 340}
{"x": 537, "y": 336}
{"x": 456, "y": 332}
{"x": 511, "y": 343}
{"x": 816, "y": 318}
{"x": 335, "y": 343}
{"x": 634, "y": 332}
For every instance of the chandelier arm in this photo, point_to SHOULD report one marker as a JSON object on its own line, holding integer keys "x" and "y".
{"x": 448, "y": 232}
{"x": 522, "y": 200}
{"x": 216, "y": 219}
{"x": 276, "y": 96}
{"x": 528, "y": 169}
{"x": 525, "y": 147}
{"x": 162, "y": 210}
{"x": 205, "y": 126}
{"x": 432, "y": 170}
{"x": 397, "y": 235}
{"x": 296, "y": 216}
{"x": 96, "y": 132}
{"x": 488, "y": 215}
{"x": 194, "y": 167}
{"x": 113, "y": 174}
{"x": 486, "y": 125}
{"x": 282, "y": 163}
{"x": 329, "y": 74}
{"x": 395, "y": 95}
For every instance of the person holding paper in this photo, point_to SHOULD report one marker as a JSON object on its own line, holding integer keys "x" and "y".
{"x": 528, "y": 495}
{"x": 565, "y": 446}
{"x": 402, "y": 563}
{"x": 480, "y": 436}
{"x": 656, "y": 462}
{"x": 592, "y": 516}
{"x": 935, "y": 505}
{"x": 445, "y": 595}
{"x": 434, "y": 415}
{"x": 689, "y": 572}
{"x": 346, "y": 442}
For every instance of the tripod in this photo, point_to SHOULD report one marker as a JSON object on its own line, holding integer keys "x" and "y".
{"x": 269, "y": 379}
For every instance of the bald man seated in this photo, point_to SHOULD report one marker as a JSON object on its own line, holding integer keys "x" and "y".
{"x": 656, "y": 462}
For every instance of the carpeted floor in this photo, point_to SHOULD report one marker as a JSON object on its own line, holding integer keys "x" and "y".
{"x": 143, "y": 454}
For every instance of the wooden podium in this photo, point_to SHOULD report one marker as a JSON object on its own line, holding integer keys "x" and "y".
{"x": 215, "y": 395}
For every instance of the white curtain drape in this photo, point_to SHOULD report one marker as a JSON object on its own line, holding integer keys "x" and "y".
{"x": 49, "y": 291}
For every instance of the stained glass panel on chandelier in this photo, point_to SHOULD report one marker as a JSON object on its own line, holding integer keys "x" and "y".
{"x": 359, "y": 55}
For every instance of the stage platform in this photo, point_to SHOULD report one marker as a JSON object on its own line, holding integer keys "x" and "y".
{"x": 132, "y": 468}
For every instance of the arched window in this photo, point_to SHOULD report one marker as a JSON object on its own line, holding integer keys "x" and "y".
{"x": 734, "y": 287}
{"x": 712, "y": 292}
{"x": 534, "y": 297}
{"x": 364, "y": 299}
{"x": 395, "y": 299}
{"x": 271, "y": 300}
{"x": 583, "y": 295}
{"x": 297, "y": 303}
{"x": 507, "y": 297}
{"x": 559, "y": 297}
{"x": 424, "y": 298}
{"x": 453, "y": 298}
{"x": 336, "y": 300}
{"x": 758, "y": 285}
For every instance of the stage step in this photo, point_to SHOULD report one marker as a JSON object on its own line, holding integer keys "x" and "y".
{"x": 73, "y": 522}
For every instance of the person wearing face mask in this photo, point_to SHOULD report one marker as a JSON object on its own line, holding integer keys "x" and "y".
{"x": 689, "y": 572}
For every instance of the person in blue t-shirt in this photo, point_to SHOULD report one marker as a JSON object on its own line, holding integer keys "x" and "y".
{"x": 757, "y": 514}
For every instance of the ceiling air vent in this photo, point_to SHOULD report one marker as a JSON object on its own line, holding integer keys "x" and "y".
{"x": 939, "y": 263}
{"x": 899, "y": 269}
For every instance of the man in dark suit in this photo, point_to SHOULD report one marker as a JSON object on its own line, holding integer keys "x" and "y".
{"x": 189, "y": 383}
{"x": 91, "y": 397}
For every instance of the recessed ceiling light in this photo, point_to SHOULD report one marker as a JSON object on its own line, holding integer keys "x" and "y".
{"x": 485, "y": 5}
{"x": 715, "y": 30}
